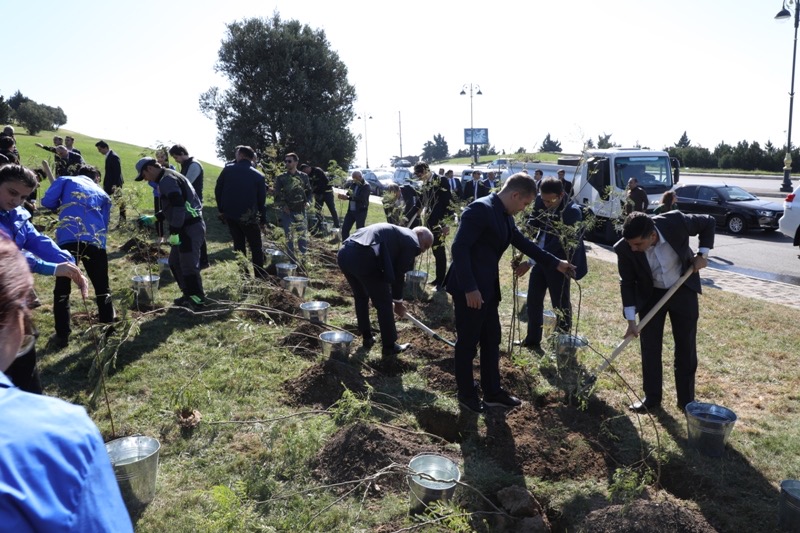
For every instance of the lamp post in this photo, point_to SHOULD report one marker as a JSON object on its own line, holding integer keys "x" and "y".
{"x": 477, "y": 89}
{"x": 785, "y": 14}
{"x": 365, "y": 116}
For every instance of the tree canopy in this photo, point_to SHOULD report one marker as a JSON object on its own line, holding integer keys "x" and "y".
{"x": 289, "y": 92}
{"x": 550, "y": 145}
{"x": 433, "y": 151}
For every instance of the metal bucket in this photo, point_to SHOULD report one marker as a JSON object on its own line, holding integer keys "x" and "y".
{"x": 567, "y": 346}
{"x": 435, "y": 479}
{"x": 285, "y": 269}
{"x": 549, "y": 321}
{"x": 135, "y": 462}
{"x": 522, "y": 305}
{"x": 415, "y": 282}
{"x": 145, "y": 289}
{"x": 315, "y": 311}
{"x": 789, "y": 506}
{"x": 296, "y": 284}
{"x": 163, "y": 266}
{"x": 709, "y": 427}
{"x": 274, "y": 256}
{"x": 336, "y": 344}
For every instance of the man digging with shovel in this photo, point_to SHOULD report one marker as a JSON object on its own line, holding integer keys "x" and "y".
{"x": 651, "y": 256}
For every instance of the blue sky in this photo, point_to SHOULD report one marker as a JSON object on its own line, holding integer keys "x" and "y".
{"x": 642, "y": 70}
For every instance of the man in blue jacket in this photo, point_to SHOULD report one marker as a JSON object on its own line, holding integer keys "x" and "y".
{"x": 485, "y": 232}
{"x": 241, "y": 195}
{"x": 558, "y": 220}
{"x": 85, "y": 212}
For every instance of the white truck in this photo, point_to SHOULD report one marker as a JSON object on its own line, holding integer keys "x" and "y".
{"x": 601, "y": 177}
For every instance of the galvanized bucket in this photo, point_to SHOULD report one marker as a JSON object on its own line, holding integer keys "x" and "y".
{"x": 315, "y": 311}
{"x": 274, "y": 256}
{"x": 549, "y": 321}
{"x": 296, "y": 285}
{"x": 145, "y": 289}
{"x": 789, "y": 507}
{"x": 336, "y": 344}
{"x": 163, "y": 266}
{"x": 135, "y": 462}
{"x": 709, "y": 427}
{"x": 415, "y": 282}
{"x": 522, "y": 305}
{"x": 285, "y": 269}
{"x": 435, "y": 479}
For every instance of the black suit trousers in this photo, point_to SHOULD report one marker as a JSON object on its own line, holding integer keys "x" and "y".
{"x": 557, "y": 284}
{"x": 360, "y": 266}
{"x": 244, "y": 235}
{"x": 95, "y": 261}
{"x": 440, "y": 255}
{"x": 476, "y": 327}
{"x": 359, "y": 218}
{"x": 683, "y": 312}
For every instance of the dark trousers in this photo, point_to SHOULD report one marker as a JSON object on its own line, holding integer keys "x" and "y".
{"x": 683, "y": 313}
{"x": 440, "y": 255}
{"x": 476, "y": 327}
{"x": 327, "y": 199}
{"x": 557, "y": 284}
{"x": 115, "y": 192}
{"x": 359, "y": 264}
{"x": 24, "y": 374}
{"x": 159, "y": 223}
{"x": 251, "y": 235}
{"x": 95, "y": 262}
{"x": 357, "y": 217}
{"x": 184, "y": 259}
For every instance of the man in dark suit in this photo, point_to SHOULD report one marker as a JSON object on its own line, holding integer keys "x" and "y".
{"x": 558, "y": 221}
{"x": 651, "y": 256}
{"x": 112, "y": 178}
{"x": 357, "y": 197}
{"x": 434, "y": 198}
{"x": 562, "y": 175}
{"x": 456, "y": 189}
{"x": 374, "y": 260}
{"x": 486, "y": 229}
{"x": 475, "y": 188}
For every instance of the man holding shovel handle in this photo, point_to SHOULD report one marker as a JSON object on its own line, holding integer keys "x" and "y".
{"x": 652, "y": 255}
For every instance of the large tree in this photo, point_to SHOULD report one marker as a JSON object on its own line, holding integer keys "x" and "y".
{"x": 436, "y": 150}
{"x": 289, "y": 92}
{"x": 550, "y": 145}
{"x": 34, "y": 117}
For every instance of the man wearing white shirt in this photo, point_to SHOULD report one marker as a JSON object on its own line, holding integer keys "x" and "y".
{"x": 651, "y": 256}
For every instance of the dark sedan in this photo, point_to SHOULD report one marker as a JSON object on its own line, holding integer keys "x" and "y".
{"x": 733, "y": 207}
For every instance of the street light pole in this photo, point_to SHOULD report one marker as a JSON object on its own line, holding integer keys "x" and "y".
{"x": 472, "y": 151}
{"x": 365, "y": 116}
{"x": 785, "y": 14}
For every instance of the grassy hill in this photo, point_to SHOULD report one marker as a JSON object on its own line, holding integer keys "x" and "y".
{"x": 290, "y": 441}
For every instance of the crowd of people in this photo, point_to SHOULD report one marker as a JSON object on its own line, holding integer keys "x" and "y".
{"x": 652, "y": 254}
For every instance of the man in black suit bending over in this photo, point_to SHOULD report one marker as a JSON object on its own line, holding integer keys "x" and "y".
{"x": 375, "y": 260}
{"x": 651, "y": 256}
{"x": 486, "y": 229}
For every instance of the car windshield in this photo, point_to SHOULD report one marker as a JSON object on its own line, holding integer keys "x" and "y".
{"x": 401, "y": 176}
{"x": 652, "y": 172}
{"x": 735, "y": 194}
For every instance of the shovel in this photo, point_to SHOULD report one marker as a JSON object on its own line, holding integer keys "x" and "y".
{"x": 592, "y": 378}
{"x": 428, "y": 330}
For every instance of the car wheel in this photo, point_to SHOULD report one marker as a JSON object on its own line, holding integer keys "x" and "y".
{"x": 736, "y": 224}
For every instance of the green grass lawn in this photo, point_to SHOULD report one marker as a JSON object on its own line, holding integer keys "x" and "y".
{"x": 249, "y": 465}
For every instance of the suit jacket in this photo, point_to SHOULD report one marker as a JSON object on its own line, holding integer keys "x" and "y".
{"x": 635, "y": 276}
{"x": 436, "y": 196}
{"x": 483, "y": 235}
{"x": 398, "y": 249}
{"x": 457, "y": 192}
{"x": 359, "y": 194}
{"x": 411, "y": 205}
{"x": 636, "y": 200}
{"x": 550, "y": 222}
{"x": 113, "y": 175}
{"x": 469, "y": 190}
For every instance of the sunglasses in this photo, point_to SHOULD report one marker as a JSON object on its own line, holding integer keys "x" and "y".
{"x": 288, "y": 160}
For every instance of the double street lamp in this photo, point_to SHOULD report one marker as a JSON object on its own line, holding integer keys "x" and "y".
{"x": 365, "y": 116}
{"x": 478, "y": 92}
{"x": 785, "y": 14}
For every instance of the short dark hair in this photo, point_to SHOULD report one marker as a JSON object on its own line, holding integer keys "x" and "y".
{"x": 551, "y": 186}
{"x": 638, "y": 225}
{"x": 18, "y": 173}
{"x": 521, "y": 183}
{"x": 101, "y": 144}
{"x": 6, "y": 142}
{"x": 304, "y": 165}
{"x": 421, "y": 167}
{"x": 178, "y": 149}
{"x": 538, "y": 171}
{"x": 89, "y": 171}
{"x": 246, "y": 151}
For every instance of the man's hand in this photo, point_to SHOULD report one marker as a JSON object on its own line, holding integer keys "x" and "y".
{"x": 633, "y": 329}
{"x": 68, "y": 270}
{"x": 474, "y": 299}
{"x": 400, "y": 309}
{"x": 147, "y": 220}
{"x": 40, "y": 145}
{"x": 445, "y": 231}
{"x": 174, "y": 239}
{"x": 566, "y": 268}
{"x": 342, "y": 196}
{"x": 699, "y": 262}
{"x": 522, "y": 268}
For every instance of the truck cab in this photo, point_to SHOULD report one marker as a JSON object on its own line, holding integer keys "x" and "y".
{"x": 602, "y": 178}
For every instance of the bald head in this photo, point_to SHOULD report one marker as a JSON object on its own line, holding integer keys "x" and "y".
{"x": 62, "y": 151}
{"x": 357, "y": 175}
{"x": 425, "y": 238}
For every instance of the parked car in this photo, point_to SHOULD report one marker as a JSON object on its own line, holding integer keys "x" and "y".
{"x": 732, "y": 207}
{"x": 790, "y": 221}
{"x": 371, "y": 178}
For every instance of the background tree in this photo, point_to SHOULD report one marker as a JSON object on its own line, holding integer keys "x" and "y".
{"x": 520, "y": 150}
{"x": 604, "y": 141}
{"x": 550, "y": 145}
{"x": 436, "y": 150}
{"x": 288, "y": 92}
{"x": 589, "y": 144}
{"x": 57, "y": 117}
{"x": 33, "y": 117}
{"x": 5, "y": 111}
{"x": 683, "y": 142}
{"x": 17, "y": 99}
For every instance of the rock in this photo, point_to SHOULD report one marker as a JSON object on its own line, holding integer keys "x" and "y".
{"x": 517, "y": 501}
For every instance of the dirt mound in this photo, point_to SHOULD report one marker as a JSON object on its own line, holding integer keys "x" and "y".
{"x": 440, "y": 375}
{"x": 304, "y": 339}
{"x": 641, "y": 516}
{"x": 323, "y": 384}
{"x": 142, "y": 251}
{"x": 360, "y": 450}
{"x": 284, "y": 301}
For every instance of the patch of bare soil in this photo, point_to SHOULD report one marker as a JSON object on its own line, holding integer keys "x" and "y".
{"x": 141, "y": 251}
{"x": 439, "y": 375}
{"x": 645, "y": 516}
{"x": 322, "y": 385}
{"x": 304, "y": 339}
{"x": 282, "y": 300}
{"x": 360, "y": 450}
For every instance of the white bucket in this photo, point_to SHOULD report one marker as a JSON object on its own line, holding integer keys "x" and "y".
{"x": 135, "y": 462}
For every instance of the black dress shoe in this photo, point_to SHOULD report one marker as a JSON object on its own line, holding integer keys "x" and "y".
{"x": 396, "y": 349}
{"x": 644, "y": 406}
{"x": 368, "y": 341}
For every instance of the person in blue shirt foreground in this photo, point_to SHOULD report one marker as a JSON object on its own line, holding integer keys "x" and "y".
{"x": 55, "y": 474}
